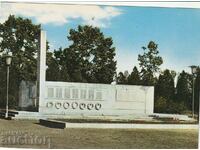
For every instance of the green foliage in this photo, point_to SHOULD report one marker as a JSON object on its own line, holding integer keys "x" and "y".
{"x": 19, "y": 36}
{"x": 163, "y": 105}
{"x": 90, "y": 57}
{"x": 160, "y": 105}
{"x": 184, "y": 89}
{"x": 149, "y": 63}
{"x": 197, "y": 91}
{"x": 165, "y": 85}
{"x": 53, "y": 70}
{"x": 121, "y": 78}
{"x": 176, "y": 108}
{"x": 134, "y": 77}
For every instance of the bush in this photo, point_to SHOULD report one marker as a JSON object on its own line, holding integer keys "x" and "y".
{"x": 160, "y": 105}
{"x": 176, "y": 108}
{"x": 12, "y": 103}
{"x": 163, "y": 105}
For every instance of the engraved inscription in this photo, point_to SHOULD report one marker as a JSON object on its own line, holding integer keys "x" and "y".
{"x": 75, "y": 93}
{"x": 67, "y": 93}
{"x": 91, "y": 94}
{"x": 59, "y": 93}
{"x": 98, "y": 95}
{"x": 83, "y": 94}
{"x": 50, "y": 92}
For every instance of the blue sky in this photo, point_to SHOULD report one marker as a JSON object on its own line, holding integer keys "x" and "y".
{"x": 175, "y": 30}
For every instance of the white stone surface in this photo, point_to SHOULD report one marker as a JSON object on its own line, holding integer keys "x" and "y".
{"x": 130, "y": 126}
{"x": 175, "y": 116}
{"x": 42, "y": 68}
{"x": 27, "y": 94}
{"x": 67, "y": 98}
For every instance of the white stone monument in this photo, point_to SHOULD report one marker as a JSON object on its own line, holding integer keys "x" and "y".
{"x": 84, "y": 99}
{"x": 27, "y": 95}
{"x": 41, "y": 76}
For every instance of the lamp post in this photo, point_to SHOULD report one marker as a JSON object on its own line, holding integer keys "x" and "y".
{"x": 8, "y": 63}
{"x": 193, "y": 70}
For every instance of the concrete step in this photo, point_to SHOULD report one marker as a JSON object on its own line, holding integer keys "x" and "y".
{"x": 172, "y": 116}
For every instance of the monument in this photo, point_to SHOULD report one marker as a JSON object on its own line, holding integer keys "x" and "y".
{"x": 85, "y": 99}
{"x": 27, "y": 95}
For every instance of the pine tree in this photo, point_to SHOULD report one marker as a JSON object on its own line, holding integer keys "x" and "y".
{"x": 184, "y": 89}
{"x": 197, "y": 91}
{"x": 165, "y": 92}
{"x": 165, "y": 86}
{"x": 121, "y": 79}
{"x": 134, "y": 77}
{"x": 149, "y": 63}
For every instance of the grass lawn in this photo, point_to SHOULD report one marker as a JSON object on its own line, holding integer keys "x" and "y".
{"x": 98, "y": 138}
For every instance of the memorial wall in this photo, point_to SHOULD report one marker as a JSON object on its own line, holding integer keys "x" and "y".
{"x": 65, "y": 98}
{"x": 68, "y": 98}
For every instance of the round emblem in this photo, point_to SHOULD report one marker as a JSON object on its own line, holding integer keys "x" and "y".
{"x": 58, "y": 105}
{"x": 49, "y": 105}
{"x": 90, "y": 106}
{"x": 82, "y": 106}
{"x": 74, "y": 105}
{"x": 97, "y": 106}
{"x": 66, "y": 105}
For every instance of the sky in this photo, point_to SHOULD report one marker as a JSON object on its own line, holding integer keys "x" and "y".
{"x": 175, "y": 30}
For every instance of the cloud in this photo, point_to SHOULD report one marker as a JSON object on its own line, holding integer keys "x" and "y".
{"x": 61, "y": 14}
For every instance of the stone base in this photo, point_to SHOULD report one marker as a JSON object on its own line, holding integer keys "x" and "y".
{"x": 62, "y": 125}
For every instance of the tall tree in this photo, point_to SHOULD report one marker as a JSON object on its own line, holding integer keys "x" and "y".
{"x": 19, "y": 36}
{"x": 121, "y": 78}
{"x": 184, "y": 89}
{"x": 197, "y": 91}
{"x": 149, "y": 62}
{"x": 165, "y": 86}
{"x": 92, "y": 55}
{"x": 53, "y": 70}
{"x": 165, "y": 92}
{"x": 134, "y": 77}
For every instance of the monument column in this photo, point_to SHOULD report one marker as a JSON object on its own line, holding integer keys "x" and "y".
{"x": 41, "y": 70}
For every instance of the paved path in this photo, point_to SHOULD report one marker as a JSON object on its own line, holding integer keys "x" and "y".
{"x": 131, "y": 126}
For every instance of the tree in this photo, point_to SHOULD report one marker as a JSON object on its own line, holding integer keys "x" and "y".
{"x": 134, "y": 77}
{"x": 197, "y": 91}
{"x": 160, "y": 105}
{"x": 184, "y": 89}
{"x": 71, "y": 61}
{"x": 149, "y": 63}
{"x": 90, "y": 57}
{"x": 165, "y": 92}
{"x": 19, "y": 36}
{"x": 165, "y": 86}
{"x": 121, "y": 79}
{"x": 53, "y": 70}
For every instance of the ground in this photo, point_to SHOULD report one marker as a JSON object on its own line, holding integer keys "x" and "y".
{"x": 95, "y": 138}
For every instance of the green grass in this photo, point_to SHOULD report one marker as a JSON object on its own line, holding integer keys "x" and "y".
{"x": 103, "y": 138}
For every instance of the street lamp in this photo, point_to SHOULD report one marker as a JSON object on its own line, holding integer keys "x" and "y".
{"x": 8, "y": 63}
{"x": 193, "y": 70}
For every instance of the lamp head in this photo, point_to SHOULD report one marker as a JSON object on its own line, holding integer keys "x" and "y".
{"x": 8, "y": 60}
{"x": 193, "y": 69}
